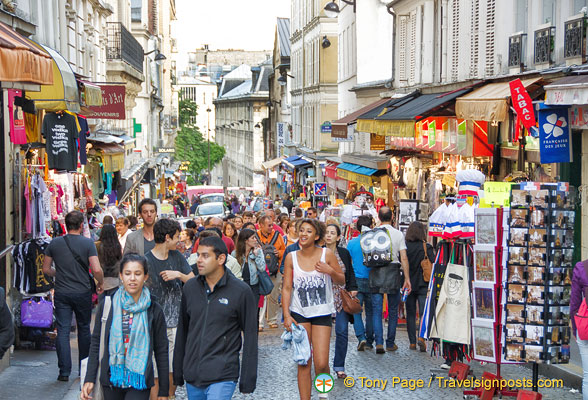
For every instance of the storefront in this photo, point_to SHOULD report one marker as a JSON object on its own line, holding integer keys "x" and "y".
{"x": 297, "y": 170}
{"x": 272, "y": 177}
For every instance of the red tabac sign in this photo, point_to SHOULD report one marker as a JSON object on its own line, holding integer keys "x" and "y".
{"x": 521, "y": 102}
{"x": 113, "y": 103}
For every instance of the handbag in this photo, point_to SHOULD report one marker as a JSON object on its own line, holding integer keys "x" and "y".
{"x": 82, "y": 264}
{"x": 426, "y": 265}
{"x": 265, "y": 283}
{"x": 97, "y": 391}
{"x": 36, "y": 314}
{"x": 351, "y": 304}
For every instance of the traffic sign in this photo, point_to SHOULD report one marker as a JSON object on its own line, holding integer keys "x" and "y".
{"x": 320, "y": 189}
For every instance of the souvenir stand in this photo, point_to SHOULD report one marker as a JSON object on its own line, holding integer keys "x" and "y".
{"x": 538, "y": 269}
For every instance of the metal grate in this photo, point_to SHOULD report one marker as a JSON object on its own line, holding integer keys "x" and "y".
{"x": 544, "y": 39}
{"x": 123, "y": 46}
{"x": 575, "y": 38}
{"x": 515, "y": 50}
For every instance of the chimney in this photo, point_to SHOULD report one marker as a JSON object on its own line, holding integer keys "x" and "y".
{"x": 254, "y": 77}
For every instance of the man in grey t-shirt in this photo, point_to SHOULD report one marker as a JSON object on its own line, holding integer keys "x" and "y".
{"x": 72, "y": 288}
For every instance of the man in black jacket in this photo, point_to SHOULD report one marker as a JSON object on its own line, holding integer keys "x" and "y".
{"x": 216, "y": 307}
{"x": 6, "y": 325}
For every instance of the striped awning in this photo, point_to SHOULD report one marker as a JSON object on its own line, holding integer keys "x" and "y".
{"x": 21, "y": 61}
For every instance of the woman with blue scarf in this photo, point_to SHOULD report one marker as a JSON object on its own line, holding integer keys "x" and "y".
{"x": 135, "y": 331}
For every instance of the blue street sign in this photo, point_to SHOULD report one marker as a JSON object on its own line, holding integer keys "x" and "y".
{"x": 320, "y": 189}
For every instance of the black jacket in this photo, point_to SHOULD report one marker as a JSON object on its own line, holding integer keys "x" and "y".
{"x": 415, "y": 254}
{"x": 6, "y": 325}
{"x": 350, "y": 283}
{"x": 158, "y": 344}
{"x": 208, "y": 340}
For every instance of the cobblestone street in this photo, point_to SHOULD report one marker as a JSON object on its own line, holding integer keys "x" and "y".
{"x": 276, "y": 377}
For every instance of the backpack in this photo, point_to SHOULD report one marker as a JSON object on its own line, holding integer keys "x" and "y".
{"x": 581, "y": 317}
{"x": 272, "y": 261}
{"x": 376, "y": 246}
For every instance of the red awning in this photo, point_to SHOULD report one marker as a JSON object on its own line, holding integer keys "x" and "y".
{"x": 331, "y": 170}
{"x": 339, "y": 127}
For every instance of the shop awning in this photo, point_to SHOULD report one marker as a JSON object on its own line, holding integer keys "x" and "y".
{"x": 271, "y": 164}
{"x": 356, "y": 173}
{"x": 488, "y": 103}
{"x": 132, "y": 178}
{"x": 568, "y": 90}
{"x": 297, "y": 161}
{"x": 113, "y": 156}
{"x": 91, "y": 92}
{"x": 105, "y": 138}
{"x": 331, "y": 169}
{"x": 63, "y": 93}
{"x": 398, "y": 118}
{"x": 21, "y": 60}
{"x": 339, "y": 127}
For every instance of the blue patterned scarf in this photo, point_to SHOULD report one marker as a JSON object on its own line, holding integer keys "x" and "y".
{"x": 129, "y": 370}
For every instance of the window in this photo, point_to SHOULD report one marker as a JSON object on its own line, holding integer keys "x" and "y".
{"x": 548, "y": 11}
{"x": 521, "y": 16}
{"x": 136, "y": 10}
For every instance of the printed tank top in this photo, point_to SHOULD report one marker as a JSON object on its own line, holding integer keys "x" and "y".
{"x": 312, "y": 292}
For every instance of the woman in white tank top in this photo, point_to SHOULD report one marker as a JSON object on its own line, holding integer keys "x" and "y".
{"x": 307, "y": 297}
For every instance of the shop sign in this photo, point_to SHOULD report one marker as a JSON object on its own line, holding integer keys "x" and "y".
{"x": 113, "y": 103}
{"x": 161, "y": 150}
{"x": 353, "y": 177}
{"x": 377, "y": 142}
{"x": 326, "y": 127}
{"x": 281, "y": 142}
{"x": 555, "y": 145}
{"x": 436, "y": 134}
{"x": 522, "y": 103}
{"x": 462, "y": 136}
{"x": 579, "y": 117}
{"x": 348, "y": 138}
{"x": 448, "y": 180}
{"x": 497, "y": 194}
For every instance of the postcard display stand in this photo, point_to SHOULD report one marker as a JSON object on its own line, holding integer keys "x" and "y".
{"x": 538, "y": 270}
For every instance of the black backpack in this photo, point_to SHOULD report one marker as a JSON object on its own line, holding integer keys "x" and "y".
{"x": 271, "y": 260}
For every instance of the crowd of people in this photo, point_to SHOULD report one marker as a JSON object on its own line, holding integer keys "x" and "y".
{"x": 176, "y": 306}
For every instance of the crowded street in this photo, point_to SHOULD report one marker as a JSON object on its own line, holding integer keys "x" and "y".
{"x": 293, "y": 199}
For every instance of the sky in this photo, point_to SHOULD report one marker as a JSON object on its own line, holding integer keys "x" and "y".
{"x": 222, "y": 24}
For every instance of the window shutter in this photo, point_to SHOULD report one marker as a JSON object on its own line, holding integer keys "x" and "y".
{"x": 413, "y": 43}
{"x": 490, "y": 33}
{"x": 475, "y": 37}
{"x": 455, "y": 40}
{"x": 402, "y": 26}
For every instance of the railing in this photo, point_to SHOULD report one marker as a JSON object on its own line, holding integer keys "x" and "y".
{"x": 516, "y": 46}
{"x": 575, "y": 38}
{"x": 123, "y": 46}
{"x": 544, "y": 44}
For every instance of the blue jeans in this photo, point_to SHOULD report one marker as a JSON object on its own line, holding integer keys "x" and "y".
{"x": 377, "y": 305}
{"x": 411, "y": 300}
{"x": 342, "y": 338}
{"x": 215, "y": 391}
{"x": 583, "y": 346}
{"x": 364, "y": 333}
{"x": 81, "y": 305}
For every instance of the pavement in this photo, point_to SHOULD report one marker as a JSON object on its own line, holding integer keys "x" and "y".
{"x": 32, "y": 374}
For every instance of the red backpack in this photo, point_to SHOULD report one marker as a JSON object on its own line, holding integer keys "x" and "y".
{"x": 581, "y": 317}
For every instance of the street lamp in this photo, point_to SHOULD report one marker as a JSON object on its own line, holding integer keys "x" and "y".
{"x": 159, "y": 57}
{"x": 332, "y": 8}
{"x": 208, "y": 110}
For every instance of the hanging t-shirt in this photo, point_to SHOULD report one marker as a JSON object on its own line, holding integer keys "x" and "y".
{"x": 18, "y": 134}
{"x": 61, "y": 132}
{"x": 84, "y": 132}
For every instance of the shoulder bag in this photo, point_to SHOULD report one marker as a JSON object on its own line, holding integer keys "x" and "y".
{"x": 265, "y": 283}
{"x": 82, "y": 264}
{"x": 351, "y": 304}
{"x": 426, "y": 265}
{"x": 97, "y": 392}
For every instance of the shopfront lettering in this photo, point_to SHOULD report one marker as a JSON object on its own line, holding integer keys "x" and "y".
{"x": 522, "y": 103}
{"x": 554, "y": 134}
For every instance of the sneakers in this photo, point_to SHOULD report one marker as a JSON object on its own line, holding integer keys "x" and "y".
{"x": 422, "y": 345}
{"x": 380, "y": 349}
{"x": 361, "y": 345}
{"x": 412, "y": 347}
{"x": 445, "y": 366}
{"x": 393, "y": 348}
{"x": 369, "y": 346}
{"x": 63, "y": 378}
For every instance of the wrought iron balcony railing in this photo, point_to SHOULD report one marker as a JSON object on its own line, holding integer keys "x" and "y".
{"x": 123, "y": 46}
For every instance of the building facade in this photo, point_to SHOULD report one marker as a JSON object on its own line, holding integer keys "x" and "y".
{"x": 202, "y": 92}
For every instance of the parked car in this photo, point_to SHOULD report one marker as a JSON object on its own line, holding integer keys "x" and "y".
{"x": 212, "y": 198}
{"x": 211, "y": 210}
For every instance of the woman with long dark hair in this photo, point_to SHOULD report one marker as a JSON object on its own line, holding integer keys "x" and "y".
{"x": 416, "y": 242}
{"x": 307, "y": 297}
{"x": 109, "y": 254}
{"x": 332, "y": 238}
{"x": 229, "y": 230}
{"x": 251, "y": 259}
{"x": 135, "y": 335}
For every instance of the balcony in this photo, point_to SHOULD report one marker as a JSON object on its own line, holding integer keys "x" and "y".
{"x": 516, "y": 50}
{"x": 123, "y": 46}
{"x": 544, "y": 45}
{"x": 575, "y": 39}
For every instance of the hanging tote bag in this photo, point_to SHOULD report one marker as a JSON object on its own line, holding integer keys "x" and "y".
{"x": 265, "y": 283}
{"x": 36, "y": 314}
{"x": 97, "y": 392}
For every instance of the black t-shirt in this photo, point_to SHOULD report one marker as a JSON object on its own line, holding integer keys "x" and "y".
{"x": 61, "y": 133}
{"x": 168, "y": 294}
{"x": 69, "y": 275}
{"x": 148, "y": 245}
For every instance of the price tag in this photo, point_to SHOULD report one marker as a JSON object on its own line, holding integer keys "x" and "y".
{"x": 448, "y": 180}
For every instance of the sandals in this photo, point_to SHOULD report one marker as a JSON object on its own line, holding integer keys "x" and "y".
{"x": 341, "y": 375}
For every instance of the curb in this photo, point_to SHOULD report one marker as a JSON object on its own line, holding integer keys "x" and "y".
{"x": 74, "y": 391}
{"x": 570, "y": 373}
